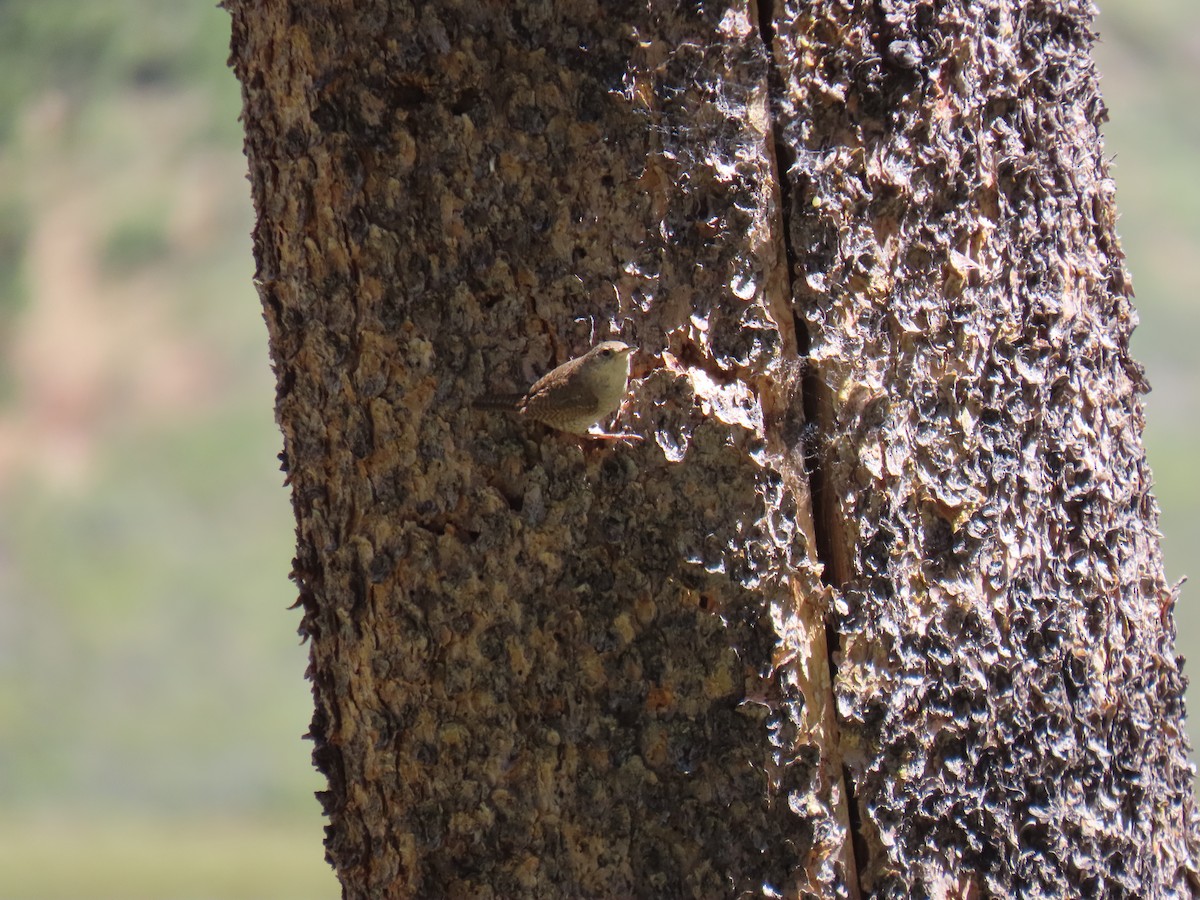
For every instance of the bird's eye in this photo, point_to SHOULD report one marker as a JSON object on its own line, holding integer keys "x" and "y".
{"x": 606, "y": 352}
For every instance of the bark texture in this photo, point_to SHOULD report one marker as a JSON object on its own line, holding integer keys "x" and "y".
{"x": 1008, "y": 691}
{"x": 869, "y": 249}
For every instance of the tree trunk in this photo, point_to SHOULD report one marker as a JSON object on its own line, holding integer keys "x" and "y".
{"x": 869, "y": 250}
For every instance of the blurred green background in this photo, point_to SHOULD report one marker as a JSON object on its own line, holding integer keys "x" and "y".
{"x": 152, "y": 696}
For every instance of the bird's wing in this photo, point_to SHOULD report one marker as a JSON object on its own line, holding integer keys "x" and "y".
{"x": 570, "y": 394}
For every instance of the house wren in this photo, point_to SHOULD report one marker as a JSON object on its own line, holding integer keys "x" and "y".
{"x": 577, "y": 394}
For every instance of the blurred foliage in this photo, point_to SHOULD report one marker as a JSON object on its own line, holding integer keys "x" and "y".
{"x": 14, "y": 233}
{"x": 91, "y": 50}
{"x": 134, "y": 242}
{"x": 151, "y": 684}
{"x": 152, "y": 697}
{"x": 139, "y": 860}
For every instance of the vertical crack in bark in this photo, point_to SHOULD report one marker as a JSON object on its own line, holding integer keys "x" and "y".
{"x": 822, "y": 639}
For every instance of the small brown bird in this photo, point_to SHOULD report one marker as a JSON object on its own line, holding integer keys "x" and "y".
{"x": 576, "y": 395}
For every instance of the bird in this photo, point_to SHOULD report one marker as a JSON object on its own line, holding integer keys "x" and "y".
{"x": 575, "y": 396}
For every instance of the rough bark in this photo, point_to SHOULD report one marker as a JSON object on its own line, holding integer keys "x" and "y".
{"x": 869, "y": 249}
{"x": 1008, "y": 690}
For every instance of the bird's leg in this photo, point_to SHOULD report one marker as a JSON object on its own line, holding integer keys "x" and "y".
{"x": 627, "y": 436}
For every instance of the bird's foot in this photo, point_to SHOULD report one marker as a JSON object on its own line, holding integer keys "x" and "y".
{"x": 627, "y": 437}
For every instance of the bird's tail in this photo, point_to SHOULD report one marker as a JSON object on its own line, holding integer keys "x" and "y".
{"x": 506, "y": 402}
